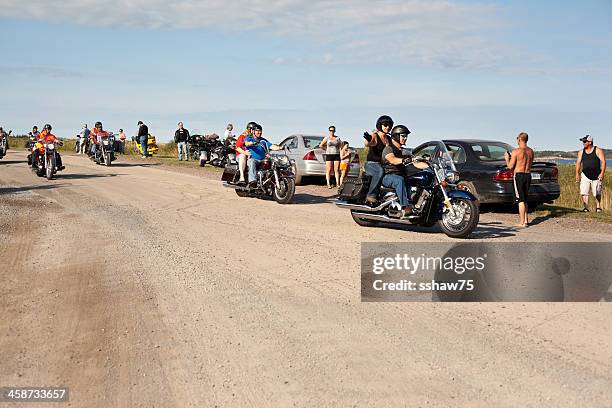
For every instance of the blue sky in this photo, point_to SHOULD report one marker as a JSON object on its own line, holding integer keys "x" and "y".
{"x": 449, "y": 69}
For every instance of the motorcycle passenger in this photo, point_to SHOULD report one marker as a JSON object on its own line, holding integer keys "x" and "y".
{"x": 375, "y": 143}
{"x": 258, "y": 147}
{"x": 97, "y": 135}
{"x": 396, "y": 168}
{"x": 46, "y": 137}
{"x": 242, "y": 153}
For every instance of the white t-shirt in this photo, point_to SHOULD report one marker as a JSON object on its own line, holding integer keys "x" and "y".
{"x": 228, "y": 133}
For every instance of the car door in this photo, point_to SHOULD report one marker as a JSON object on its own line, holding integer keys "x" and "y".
{"x": 290, "y": 147}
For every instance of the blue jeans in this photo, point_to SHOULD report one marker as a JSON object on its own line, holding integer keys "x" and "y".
{"x": 396, "y": 182}
{"x": 374, "y": 170}
{"x": 252, "y": 163}
{"x": 143, "y": 144}
{"x": 182, "y": 148}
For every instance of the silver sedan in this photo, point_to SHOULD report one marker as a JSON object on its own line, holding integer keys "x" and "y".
{"x": 309, "y": 160}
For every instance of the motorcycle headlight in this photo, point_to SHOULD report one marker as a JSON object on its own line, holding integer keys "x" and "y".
{"x": 50, "y": 146}
{"x": 105, "y": 142}
{"x": 452, "y": 177}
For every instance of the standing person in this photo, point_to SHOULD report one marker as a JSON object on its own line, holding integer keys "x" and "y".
{"x": 375, "y": 143}
{"x": 228, "y": 132}
{"x": 180, "y": 138}
{"x": 122, "y": 141}
{"x": 143, "y": 137}
{"x": 520, "y": 161}
{"x": 242, "y": 153}
{"x": 84, "y": 135}
{"x": 331, "y": 144}
{"x": 593, "y": 162}
{"x": 345, "y": 161}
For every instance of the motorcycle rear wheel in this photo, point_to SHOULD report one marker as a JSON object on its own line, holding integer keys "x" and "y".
{"x": 465, "y": 223}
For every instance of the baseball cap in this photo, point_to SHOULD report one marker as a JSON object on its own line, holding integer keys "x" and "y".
{"x": 587, "y": 138}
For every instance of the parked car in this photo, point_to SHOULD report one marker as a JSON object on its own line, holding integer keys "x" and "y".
{"x": 308, "y": 157}
{"x": 483, "y": 172}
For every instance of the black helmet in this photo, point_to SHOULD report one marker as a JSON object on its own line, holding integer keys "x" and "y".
{"x": 399, "y": 131}
{"x": 35, "y": 127}
{"x": 251, "y": 125}
{"x": 98, "y": 124}
{"x": 258, "y": 127}
{"x": 47, "y": 127}
{"x": 384, "y": 120}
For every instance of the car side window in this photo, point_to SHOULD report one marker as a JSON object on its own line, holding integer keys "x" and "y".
{"x": 457, "y": 153}
{"x": 293, "y": 144}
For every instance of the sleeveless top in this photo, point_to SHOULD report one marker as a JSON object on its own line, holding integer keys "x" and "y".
{"x": 375, "y": 152}
{"x": 591, "y": 165}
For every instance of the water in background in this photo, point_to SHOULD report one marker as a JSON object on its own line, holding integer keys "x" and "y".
{"x": 572, "y": 161}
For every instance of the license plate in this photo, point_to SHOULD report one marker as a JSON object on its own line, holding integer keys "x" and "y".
{"x": 536, "y": 176}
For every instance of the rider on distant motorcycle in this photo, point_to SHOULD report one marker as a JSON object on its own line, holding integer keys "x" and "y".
{"x": 396, "y": 167}
{"x": 46, "y": 137}
{"x": 96, "y": 136}
{"x": 258, "y": 147}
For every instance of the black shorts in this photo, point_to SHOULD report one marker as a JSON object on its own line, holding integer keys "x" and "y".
{"x": 332, "y": 157}
{"x": 522, "y": 181}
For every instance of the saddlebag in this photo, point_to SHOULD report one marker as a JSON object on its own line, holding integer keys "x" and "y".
{"x": 230, "y": 173}
{"x": 354, "y": 188}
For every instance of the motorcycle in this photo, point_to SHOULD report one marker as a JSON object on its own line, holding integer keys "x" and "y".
{"x": 433, "y": 193}
{"x": 46, "y": 165}
{"x": 105, "y": 152}
{"x": 207, "y": 147}
{"x": 222, "y": 153}
{"x": 4, "y": 143}
{"x": 275, "y": 178}
{"x": 152, "y": 147}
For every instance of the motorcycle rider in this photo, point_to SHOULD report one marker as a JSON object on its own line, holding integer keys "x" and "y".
{"x": 96, "y": 136}
{"x": 46, "y": 137}
{"x": 396, "y": 167}
{"x": 242, "y": 153}
{"x": 375, "y": 143}
{"x": 258, "y": 147}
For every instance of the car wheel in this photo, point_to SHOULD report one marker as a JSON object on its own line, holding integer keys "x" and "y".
{"x": 468, "y": 186}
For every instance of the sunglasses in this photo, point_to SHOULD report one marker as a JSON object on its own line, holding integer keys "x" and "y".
{"x": 332, "y": 130}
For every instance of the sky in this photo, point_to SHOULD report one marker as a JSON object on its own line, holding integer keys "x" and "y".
{"x": 444, "y": 68}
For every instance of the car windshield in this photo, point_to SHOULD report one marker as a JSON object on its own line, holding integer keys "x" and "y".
{"x": 490, "y": 151}
{"x": 310, "y": 142}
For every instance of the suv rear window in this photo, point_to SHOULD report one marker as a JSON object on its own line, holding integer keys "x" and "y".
{"x": 490, "y": 151}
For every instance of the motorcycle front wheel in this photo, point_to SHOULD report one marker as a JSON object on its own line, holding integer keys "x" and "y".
{"x": 464, "y": 220}
{"x": 50, "y": 167}
{"x": 285, "y": 193}
{"x": 107, "y": 159}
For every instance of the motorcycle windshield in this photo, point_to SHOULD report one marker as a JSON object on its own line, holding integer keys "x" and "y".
{"x": 443, "y": 157}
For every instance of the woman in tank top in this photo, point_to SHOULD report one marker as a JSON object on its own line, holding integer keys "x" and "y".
{"x": 375, "y": 143}
{"x": 331, "y": 144}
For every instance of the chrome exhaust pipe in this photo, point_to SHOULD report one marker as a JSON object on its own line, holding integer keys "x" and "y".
{"x": 384, "y": 218}
{"x": 361, "y": 207}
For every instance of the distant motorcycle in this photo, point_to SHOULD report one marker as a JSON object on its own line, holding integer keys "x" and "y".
{"x": 275, "y": 179}
{"x": 223, "y": 153}
{"x": 105, "y": 152}
{"x": 4, "y": 143}
{"x": 433, "y": 193}
{"x": 46, "y": 165}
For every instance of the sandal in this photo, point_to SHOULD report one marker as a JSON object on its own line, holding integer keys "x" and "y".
{"x": 585, "y": 210}
{"x": 598, "y": 210}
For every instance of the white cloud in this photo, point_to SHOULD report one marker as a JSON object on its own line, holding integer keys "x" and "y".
{"x": 441, "y": 33}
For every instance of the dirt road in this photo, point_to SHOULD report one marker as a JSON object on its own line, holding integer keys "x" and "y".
{"x": 201, "y": 298}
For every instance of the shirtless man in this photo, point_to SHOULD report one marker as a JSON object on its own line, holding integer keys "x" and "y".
{"x": 520, "y": 162}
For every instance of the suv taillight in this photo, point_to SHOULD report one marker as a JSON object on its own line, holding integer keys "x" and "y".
{"x": 504, "y": 175}
{"x": 310, "y": 156}
{"x": 554, "y": 173}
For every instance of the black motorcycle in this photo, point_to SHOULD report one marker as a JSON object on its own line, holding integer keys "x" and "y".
{"x": 105, "y": 152}
{"x": 275, "y": 178}
{"x": 222, "y": 153}
{"x": 432, "y": 192}
{"x": 46, "y": 166}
